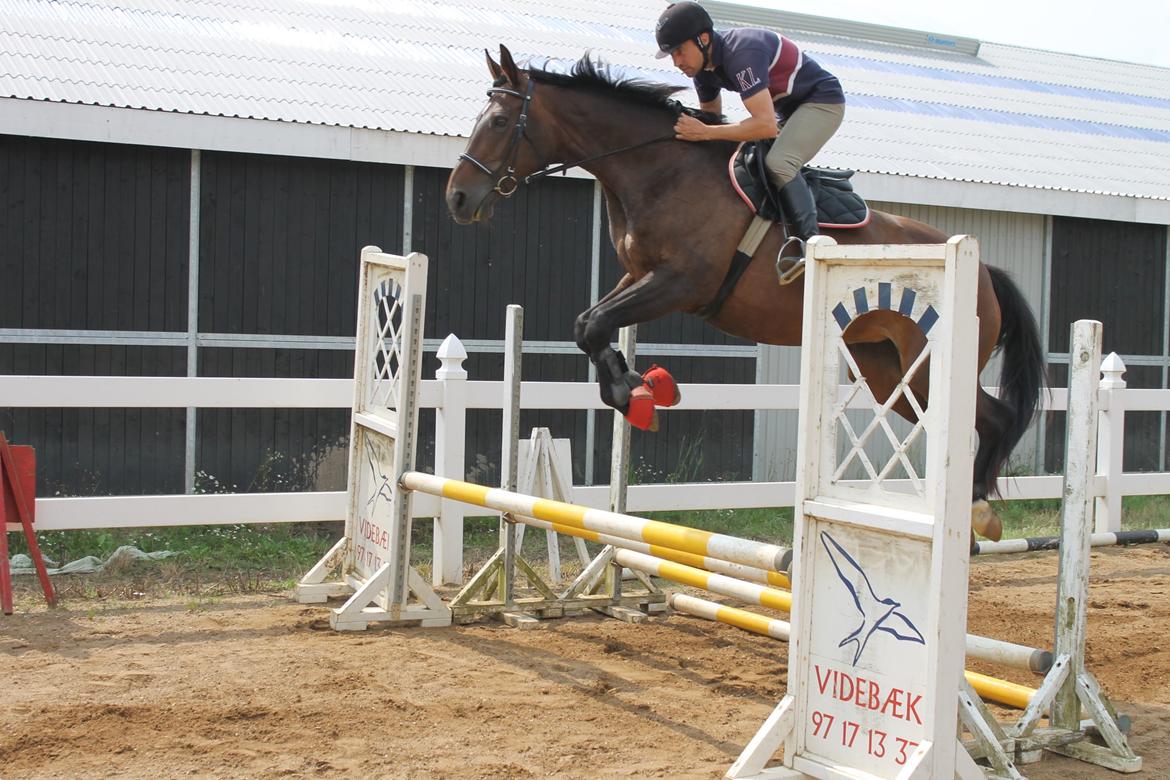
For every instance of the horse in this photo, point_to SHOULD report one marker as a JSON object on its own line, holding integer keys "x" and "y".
{"x": 675, "y": 222}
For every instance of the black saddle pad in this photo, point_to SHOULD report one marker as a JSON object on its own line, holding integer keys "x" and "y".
{"x": 838, "y": 206}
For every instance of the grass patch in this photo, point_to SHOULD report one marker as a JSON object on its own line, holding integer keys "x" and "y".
{"x": 215, "y": 560}
{"x": 211, "y": 559}
{"x": 1041, "y": 517}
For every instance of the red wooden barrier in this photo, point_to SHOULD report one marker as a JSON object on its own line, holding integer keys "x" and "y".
{"x": 18, "y": 467}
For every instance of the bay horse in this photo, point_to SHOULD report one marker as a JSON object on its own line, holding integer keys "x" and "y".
{"x": 675, "y": 222}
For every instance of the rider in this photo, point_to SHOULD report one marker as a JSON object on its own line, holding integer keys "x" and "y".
{"x": 789, "y": 96}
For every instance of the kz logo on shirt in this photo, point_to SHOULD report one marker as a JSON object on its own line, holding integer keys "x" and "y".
{"x": 746, "y": 79}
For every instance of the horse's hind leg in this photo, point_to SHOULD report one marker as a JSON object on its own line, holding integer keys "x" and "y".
{"x": 992, "y": 419}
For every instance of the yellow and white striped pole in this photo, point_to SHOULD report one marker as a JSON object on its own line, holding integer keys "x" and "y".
{"x": 732, "y": 616}
{"x": 737, "y": 570}
{"x": 989, "y": 688}
{"x": 749, "y": 592}
{"x": 676, "y": 537}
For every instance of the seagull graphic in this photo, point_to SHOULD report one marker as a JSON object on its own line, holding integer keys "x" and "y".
{"x": 385, "y": 489}
{"x": 876, "y": 614}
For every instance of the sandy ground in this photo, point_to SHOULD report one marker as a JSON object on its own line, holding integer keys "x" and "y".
{"x": 258, "y": 686}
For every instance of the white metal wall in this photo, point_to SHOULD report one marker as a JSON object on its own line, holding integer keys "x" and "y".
{"x": 1017, "y": 243}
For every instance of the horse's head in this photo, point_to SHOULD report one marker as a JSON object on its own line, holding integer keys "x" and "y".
{"x": 500, "y": 152}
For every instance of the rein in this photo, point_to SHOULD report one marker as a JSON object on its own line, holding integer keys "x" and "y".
{"x": 566, "y": 166}
{"x": 508, "y": 183}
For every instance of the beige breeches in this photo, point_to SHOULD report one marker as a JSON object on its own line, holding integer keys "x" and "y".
{"x": 801, "y": 137}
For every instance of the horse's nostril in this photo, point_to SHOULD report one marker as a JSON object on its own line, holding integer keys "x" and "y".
{"x": 458, "y": 198}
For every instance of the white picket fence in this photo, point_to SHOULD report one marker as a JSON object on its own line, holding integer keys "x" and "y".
{"x": 452, "y": 394}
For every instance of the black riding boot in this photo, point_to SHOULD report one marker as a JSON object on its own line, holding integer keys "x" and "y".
{"x": 800, "y": 215}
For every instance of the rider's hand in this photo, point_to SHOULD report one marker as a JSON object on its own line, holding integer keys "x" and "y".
{"x": 687, "y": 128}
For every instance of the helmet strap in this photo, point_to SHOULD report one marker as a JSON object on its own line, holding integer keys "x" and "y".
{"x": 705, "y": 48}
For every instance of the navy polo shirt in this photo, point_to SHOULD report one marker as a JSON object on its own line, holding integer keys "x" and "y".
{"x": 748, "y": 60}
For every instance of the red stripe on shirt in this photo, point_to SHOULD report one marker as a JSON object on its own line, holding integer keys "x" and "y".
{"x": 783, "y": 73}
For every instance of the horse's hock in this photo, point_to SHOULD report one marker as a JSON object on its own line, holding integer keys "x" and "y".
{"x": 880, "y": 562}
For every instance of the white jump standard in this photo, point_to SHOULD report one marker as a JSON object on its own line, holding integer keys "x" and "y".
{"x": 373, "y": 557}
{"x": 880, "y": 575}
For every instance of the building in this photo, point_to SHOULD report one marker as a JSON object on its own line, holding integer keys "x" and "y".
{"x": 185, "y": 187}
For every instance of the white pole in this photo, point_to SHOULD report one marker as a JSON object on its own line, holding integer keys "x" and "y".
{"x": 1079, "y": 469}
{"x": 1110, "y": 444}
{"x": 513, "y": 349}
{"x": 450, "y": 444}
{"x": 619, "y": 463}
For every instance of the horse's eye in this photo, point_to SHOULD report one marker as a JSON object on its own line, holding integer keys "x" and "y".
{"x": 499, "y": 120}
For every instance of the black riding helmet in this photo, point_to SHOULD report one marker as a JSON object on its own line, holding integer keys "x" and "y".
{"x": 679, "y": 23}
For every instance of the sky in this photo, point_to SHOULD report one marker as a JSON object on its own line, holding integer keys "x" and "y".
{"x": 1128, "y": 30}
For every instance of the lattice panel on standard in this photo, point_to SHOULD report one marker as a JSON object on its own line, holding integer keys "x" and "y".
{"x": 386, "y": 334}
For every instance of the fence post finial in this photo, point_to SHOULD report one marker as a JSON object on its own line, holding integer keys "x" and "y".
{"x": 451, "y": 354}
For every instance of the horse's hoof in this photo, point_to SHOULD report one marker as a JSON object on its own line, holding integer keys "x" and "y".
{"x": 985, "y": 521}
{"x": 641, "y": 413}
{"x": 662, "y": 386}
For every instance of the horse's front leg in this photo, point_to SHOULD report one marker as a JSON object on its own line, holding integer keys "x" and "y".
{"x": 650, "y": 297}
{"x": 613, "y": 374}
{"x": 583, "y": 318}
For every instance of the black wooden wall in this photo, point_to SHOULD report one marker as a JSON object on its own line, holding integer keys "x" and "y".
{"x": 278, "y": 248}
{"x": 1114, "y": 272}
{"x": 94, "y": 237}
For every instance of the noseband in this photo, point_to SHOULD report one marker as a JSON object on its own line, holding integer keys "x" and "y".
{"x": 507, "y": 184}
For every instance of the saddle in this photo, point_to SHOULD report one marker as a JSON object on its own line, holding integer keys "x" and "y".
{"x": 838, "y": 206}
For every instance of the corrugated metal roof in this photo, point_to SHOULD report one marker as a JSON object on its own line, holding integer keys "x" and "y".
{"x": 970, "y": 111}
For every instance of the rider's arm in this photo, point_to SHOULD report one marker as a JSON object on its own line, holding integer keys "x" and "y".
{"x": 714, "y": 106}
{"x": 761, "y": 123}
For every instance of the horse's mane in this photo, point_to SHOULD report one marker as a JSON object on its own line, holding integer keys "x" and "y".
{"x": 589, "y": 73}
{"x": 595, "y": 74}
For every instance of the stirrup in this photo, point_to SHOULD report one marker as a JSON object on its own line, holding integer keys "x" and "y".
{"x": 790, "y": 267}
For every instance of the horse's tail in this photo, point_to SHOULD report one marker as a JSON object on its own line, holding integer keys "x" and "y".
{"x": 1022, "y": 375}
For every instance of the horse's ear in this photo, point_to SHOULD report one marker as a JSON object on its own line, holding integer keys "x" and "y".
{"x": 511, "y": 72}
{"x": 496, "y": 71}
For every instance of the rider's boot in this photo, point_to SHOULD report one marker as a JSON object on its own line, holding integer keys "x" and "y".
{"x": 800, "y": 215}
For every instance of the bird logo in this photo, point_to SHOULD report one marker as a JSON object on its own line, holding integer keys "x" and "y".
{"x": 876, "y": 614}
{"x": 383, "y": 485}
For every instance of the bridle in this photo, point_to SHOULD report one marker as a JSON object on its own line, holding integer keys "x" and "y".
{"x": 508, "y": 183}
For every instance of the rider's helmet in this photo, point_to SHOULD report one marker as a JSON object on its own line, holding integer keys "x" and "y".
{"x": 679, "y": 23}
